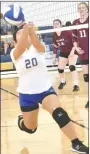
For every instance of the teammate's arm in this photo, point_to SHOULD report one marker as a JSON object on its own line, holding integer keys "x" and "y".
{"x": 72, "y": 52}
{"x": 77, "y": 48}
{"x": 35, "y": 40}
{"x": 55, "y": 47}
{"x": 75, "y": 40}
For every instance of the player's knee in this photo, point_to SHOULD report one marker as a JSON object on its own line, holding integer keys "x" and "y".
{"x": 72, "y": 68}
{"x": 30, "y": 131}
{"x": 24, "y": 128}
{"x": 61, "y": 117}
{"x": 86, "y": 77}
{"x": 60, "y": 70}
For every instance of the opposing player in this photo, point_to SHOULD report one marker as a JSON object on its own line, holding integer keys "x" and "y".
{"x": 63, "y": 40}
{"x": 81, "y": 40}
{"x": 34, "y": 86}
{"x": 68, "y": 23}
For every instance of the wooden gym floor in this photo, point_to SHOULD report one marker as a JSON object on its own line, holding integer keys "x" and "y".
{"x": 48, "y": 139}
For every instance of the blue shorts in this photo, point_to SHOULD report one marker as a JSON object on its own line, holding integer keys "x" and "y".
{"x": 30, "y": 102}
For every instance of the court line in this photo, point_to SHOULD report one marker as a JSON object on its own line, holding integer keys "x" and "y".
{"x": 75, "y": 122}
{"x": 51, "y": 124}
{"x": 81, "y": 125}
{"x": 58, "y": 94}
{"x": 9, "y": 92}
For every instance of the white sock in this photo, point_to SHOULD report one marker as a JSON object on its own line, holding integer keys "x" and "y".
{"x": 62, "y": 80}
{"x": 76, "y": 82}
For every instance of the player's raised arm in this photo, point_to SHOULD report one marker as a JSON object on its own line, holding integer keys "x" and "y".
{"x": 21, "y": 41}
{"x": 35, "y": 40}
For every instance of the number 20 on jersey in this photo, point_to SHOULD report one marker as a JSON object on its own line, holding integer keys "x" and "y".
{"x": 31, "y": 62}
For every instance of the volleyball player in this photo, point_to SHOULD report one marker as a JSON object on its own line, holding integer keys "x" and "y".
{"x": 34, "y": 86}
{"x": 63, "y": 40}
{"x": 68, "y": 23}
{"x": 81, "y": 40}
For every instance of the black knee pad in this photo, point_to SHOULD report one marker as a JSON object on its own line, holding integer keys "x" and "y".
{"x": 61, "y": 117}
{"x": 24, "y": 128}
{"x": 60, "y": 70}
{"x": 86, "y": 77}
{"x": 72, "y": 68}
{"x": 31, "y": 131}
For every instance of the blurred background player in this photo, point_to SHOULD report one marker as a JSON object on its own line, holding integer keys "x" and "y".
{"x": 68, "y": 23}
{"x": 35, "y": 87}
{"x": 81, "y": 40}
{"x": 63, "y": 42}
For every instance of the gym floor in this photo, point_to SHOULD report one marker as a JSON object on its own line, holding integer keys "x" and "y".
{"x": 48, "y": 139}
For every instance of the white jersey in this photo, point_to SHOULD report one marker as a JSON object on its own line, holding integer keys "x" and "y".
{"x": 32, "y": 71}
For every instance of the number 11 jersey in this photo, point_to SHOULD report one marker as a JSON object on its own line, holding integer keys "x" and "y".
{"x": 81, "y": 36}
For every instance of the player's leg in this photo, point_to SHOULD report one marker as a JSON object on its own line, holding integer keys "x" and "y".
{"x": 54, "y": 59}
{"x": 85, "y": 66}
{"x": 31, "y": 118}
{"x": 86, "y": 76}
{"x": 72, "y": 67}
{"x": 51, "y": 103}
{"x": 87, "y": 104}
{"x": 61, "y": 66}
{"x": 28, "y": 121}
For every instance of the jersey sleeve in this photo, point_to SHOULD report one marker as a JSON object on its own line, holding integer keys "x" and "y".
{"x": 54, "y": 42}
{"x": 55, "y": 50}
{"x": 54, "y": 39}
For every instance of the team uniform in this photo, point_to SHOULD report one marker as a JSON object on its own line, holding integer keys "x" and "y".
{"x": 64, "y": 43}
{"x": 81, "y": 36}
{"x": 33, "y": 84}
{"x": 33, "y": 87}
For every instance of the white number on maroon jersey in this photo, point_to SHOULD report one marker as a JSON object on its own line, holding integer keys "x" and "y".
{"x": 82, "y": 33}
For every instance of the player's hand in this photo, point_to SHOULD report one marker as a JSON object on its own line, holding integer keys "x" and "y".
{"x": 56, "y": 46}
{"x": 79, "y": 50}
{"x": 71, "y": 53}
{"x": 54, "y": 61}
{"x": 31, "y": 27}
{"x": 26, "y": 26}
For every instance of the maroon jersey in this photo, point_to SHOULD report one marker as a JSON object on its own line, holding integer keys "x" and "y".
{"x": 64, "y": 41}
{"x": 81, "y": 36}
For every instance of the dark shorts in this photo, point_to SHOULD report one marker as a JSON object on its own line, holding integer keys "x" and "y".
{"x": 76, "y": 53}
{"x": 30, "y": 102}
{"x": 58, "y": 53}
{"x": 84, "y": 58}
{"x": 65, "y": 55}
{"x": 84, "y": 62}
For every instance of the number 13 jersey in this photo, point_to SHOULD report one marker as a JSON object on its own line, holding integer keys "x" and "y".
{"x": 32, "y": 71}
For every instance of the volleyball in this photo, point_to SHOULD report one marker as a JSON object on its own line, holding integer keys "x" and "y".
{"x": 14, "y": 14}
